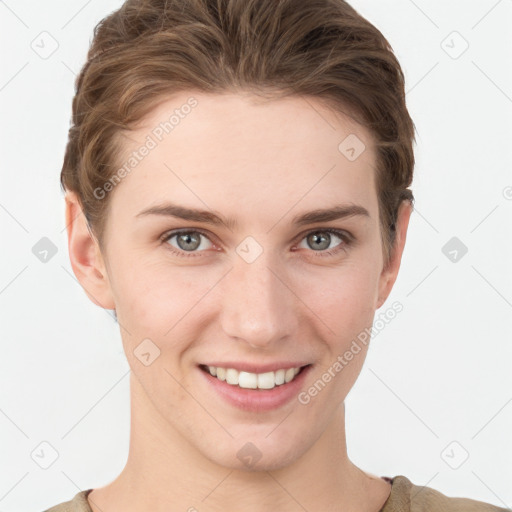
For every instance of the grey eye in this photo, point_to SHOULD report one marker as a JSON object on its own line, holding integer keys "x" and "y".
{"x": 188, "y": 241}
{"x": 320, "y": 240}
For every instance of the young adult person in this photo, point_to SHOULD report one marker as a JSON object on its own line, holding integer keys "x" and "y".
{"x": 236, "y": 183}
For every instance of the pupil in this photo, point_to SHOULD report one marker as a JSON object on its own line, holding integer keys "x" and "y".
{"x": 186, "y": 238}
{"x": 318, "y": 240}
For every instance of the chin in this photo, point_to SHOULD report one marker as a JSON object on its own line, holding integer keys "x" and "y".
{"x": 255, "y": 452}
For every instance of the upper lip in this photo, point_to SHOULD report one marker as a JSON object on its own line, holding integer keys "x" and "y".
{"x": 257, "y": 368}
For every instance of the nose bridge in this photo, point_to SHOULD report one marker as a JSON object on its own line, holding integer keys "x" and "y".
{"x": 257, "y": 305}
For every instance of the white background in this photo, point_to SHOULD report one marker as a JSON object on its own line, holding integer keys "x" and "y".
{"x": 437, "y": 381}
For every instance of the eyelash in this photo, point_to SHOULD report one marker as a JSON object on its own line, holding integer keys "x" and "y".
{"x": 347, "y": 239}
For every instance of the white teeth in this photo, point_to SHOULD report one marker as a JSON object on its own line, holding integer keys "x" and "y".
{"x": 248, "y": 380}
{"x": 290, "y": 373}
{"x": 232, "y": 376}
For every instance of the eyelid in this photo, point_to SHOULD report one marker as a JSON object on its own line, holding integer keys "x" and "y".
{"x": 336, "y": 231}
{"x": 172, "y": 232}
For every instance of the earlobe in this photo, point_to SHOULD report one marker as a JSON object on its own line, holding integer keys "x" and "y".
{"x": 85, "y": 255}
{"x": 390, "y": 272}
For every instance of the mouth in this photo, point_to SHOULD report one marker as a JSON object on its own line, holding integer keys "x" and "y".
{"x": 241, "y": 389}
{"x": 256, "y": 381}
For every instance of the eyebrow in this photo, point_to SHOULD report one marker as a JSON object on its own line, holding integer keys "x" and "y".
{"x": 208, "y": 217}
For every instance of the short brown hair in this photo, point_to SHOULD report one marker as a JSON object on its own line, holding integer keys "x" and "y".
{"x": 323, "y": 49}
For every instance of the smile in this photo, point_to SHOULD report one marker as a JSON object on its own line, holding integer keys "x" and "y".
{"x": 247, "y": 380}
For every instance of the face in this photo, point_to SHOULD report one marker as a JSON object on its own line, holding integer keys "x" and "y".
{"x": 264, "y": 283}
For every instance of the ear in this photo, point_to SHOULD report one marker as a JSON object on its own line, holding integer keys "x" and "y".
{"x": 85, "y": 256}
{"x": 390, "y": 272}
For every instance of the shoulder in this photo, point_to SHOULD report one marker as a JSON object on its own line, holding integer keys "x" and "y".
{"x": 408, "y": 497}
{"x": 78, "y": 504}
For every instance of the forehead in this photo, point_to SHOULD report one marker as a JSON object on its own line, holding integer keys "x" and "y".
{"x": 233, "y": 149}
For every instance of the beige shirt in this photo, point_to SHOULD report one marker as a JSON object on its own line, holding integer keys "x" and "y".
{"x": 404, "y": 497}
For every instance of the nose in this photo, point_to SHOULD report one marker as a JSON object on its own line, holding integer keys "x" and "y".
{"x": 258, "y": 303}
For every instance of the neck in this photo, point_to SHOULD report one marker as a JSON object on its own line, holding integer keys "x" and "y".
{"x": 165, "y": 472}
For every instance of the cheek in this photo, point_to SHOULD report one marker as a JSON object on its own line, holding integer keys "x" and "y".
{"x": 157, "y": 299}
{"x": 344, "y": 314}
{"x": 154, "y": 307}
{"x": 343, "y": 298}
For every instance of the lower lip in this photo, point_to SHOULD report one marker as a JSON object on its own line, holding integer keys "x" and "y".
{"x": 257, "y": 400}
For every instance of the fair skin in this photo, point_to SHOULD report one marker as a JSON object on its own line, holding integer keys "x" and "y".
{"x": 261, "y": 164}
